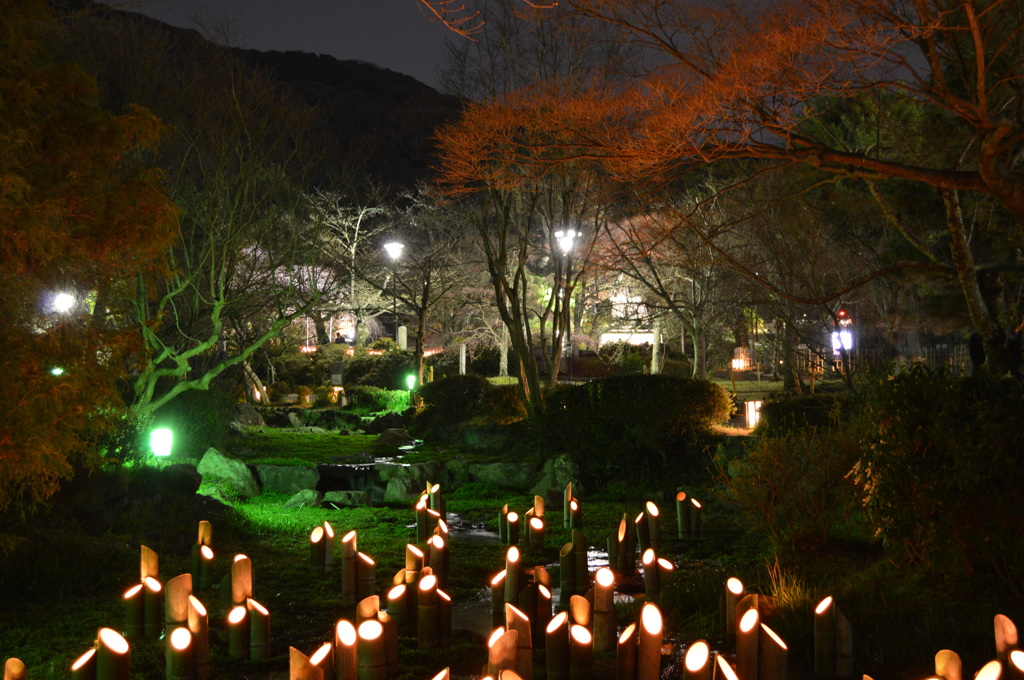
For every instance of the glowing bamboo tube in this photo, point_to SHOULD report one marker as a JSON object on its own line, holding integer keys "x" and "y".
{"x": 648, "y": 654}
{"x": 437, "y": 501}
{"x": 581, "y": 612}
{"x": 444, "y": 617}
{"x": 513, "y": 528}
{"x": 84, "y": 667}
{"x": 566, "y": 507}
{"x": 241, "y": 580}
{"x": 413, "y": 565}
{"x": 238, "y": 633}
{"x": 993, "y": 670}
{"x": 323, "y": 660}
{"x": 833, "y": 642}
{"x": 199, "y": 627}
{"x": 349, "y": 568}
{"x": 390, "y": 641}
{"x": 503, "y": 525}
{"x": 723, "y": 671}
{"x": 433, "y": 521}
{"x": 149, "y": 564}
{"x": 370, "y": 651}
{"x": 626, "y": 549}
{"x": 605, "y": 624}
{"x": 1005, "y": 636}
{"x": 427, "y": 616}
{"x": 581, "y": 653}
{"x": 625, "y": 654}
{"x": 652, "y": 586}
{"x": 535, "y": 537}
{"x": 176, "y": 594}
{"x": 153, "y": 608}
{"x": 653, "y": 515}
{"x": 948, "y": 665}
{"x": 316, "y": 551}
{"x": 205, "y": 533}
{"x": 772, "y": 656}
{"x": 567, "y": 573}
{"x": 512, "y": 575}
{"x": 730, "y": 599}
{"x": 14, "y": 669}
{"x": 113, "y": 656}
{"x": 438, "y": 551}
{"x": 543, "y": 613}
{"x": 498, "y": 599}
{"x": 682, "y": 515}
{"x": 517, "y": 620}
{"x": 366, "y": 576}
{"x": 178, "y": 655}
{"x": 300, "y": 667}
{"x": 643, "y": 533}
{"x": 421, "y": 519}
{"x": 556, "y": 644}
{"x": 346, "y": 664}
{"x": 1015, "y": 664}
{"x": 398, "y": 606}
{"x": 202, "y": 561}
{"x": 666, "y": 573}
{"x": 579, "y": 542}
{"x": 501, "y": 651}
{"x": 697, "y": 662}
{"x": 367, "y": 608}
{"x": 695, "y": 518}
{"x": 446, "y": 674}
{"x": 328, "y": 547}
{"x": 747, "y": 636}
{"x": 259, "y": 630}
{"x": 576, "y": 514}
{"x": 134, "y": 611}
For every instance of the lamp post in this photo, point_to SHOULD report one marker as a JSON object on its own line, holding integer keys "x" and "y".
{"x": 394, "y": 250}
{"x": 566, "y": 240}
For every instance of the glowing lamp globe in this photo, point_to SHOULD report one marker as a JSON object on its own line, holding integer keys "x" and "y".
{"x": 160, "y": 441}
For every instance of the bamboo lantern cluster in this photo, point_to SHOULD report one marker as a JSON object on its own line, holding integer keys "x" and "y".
{"x": 236, "y": 586}
{"x": 318, "y": 666}
{"x": 431, "y": 512}
{"x": 658, "y": 573}
{"x": 202, "y": 556}
{"x": 434, "y": 613}
{"x": 321, "y": 549}
{"x": 358, "y": 571}
{"x": 572, "y": 509}
{"x": 622, "y": 550}
{"x": 1009, "y": 661}
{"x": 371, "y": 652}
{"x": 14, "y": 669}
{"x": 638, "y": 649}
{"x": 108, "y": 659}
{"x": 833, "y": 642}
{"x": 648, "y": 527}
{"x": 529, "y": 591}
{"x": 144, "y": 602}
{"x": 688, "y": 516}
{"x": 248, "y": 631}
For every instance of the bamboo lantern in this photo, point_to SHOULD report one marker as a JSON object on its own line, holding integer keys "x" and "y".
{"x": 1015, "y": 665}
{"x": 579, "y": 541}
{"x": 643, "y": 533}
{"x": 538, "y": 506}
{"x": 682, "y": 515}
{"x": 205, "y": 533}
{"x": 613, "y": 548}
{"x": 14, "y": 669}
{"x": 730, "y": 600}
{"x": 503, "y": 525}
{"x": 176, "y": 594}
{"x": 498, "y": 599}
{"x": 300, "y": 667}
{"x": 444, "y": 617}
{"x": 259, "y": 630}
{"x": 1005, "y": 636}
{"x": 134, "y": 611}
{"x": 398, "y": 606}
{"x": 543, "y": 613}
{"x": 695, "y": 519}
{"x": 625, "y": 654}
{"x": 421, "y": 519}
{"x": 349, "y": 568}
{"x": 649, "y": 560}
{"x": 772, "y": 656}
{"x": 438, "y": 554}
{"x": 323, "y": 659}
{"x": 605, "y": 623}
{"x": 567, "y": 573}
{"x": 948, "y": 665}
{"x": 666, "y": 573}
{"x": 346, "y": 664}
{"x": 513, "y": 528}
{"x": 428, "y": 617}
{"x": 556, "y": 644}
{"x": 541, "y": 575}
{"x": 413, "y": 565}
{"x": 626, "y": 549}
{"x": 149, "y": 564}
{"x": 446, "y": 674}
{"x": 512, "y": 575}
{"x": 241, "y": 580}
{"x": 84, "y": 667}
{"x": 833, "y": 642}
{"x": 367, "y": 609}
{"x": 371, "y": 654}
{"x": 648, "y": 654}
{"x": 437, "y": 501}
{"x": 501, "y": 651}
{"x": 390, "y": 642}
{"x": 581, "y": 653}
{"x": 328, "y": 547}
{"x": 723, "y": 671}
{"x": 566, "y": 506}
{"x": 238, "y": 633}
{"x": 202, "y": 562}
{"x": 366, "y": 576}
{"x": 581, "y": 612}
{"x": 993, "y": 670}
{"x": 113, "y": 656}
{"x": 697, "y": 662}
{"x": 535, "y": 536}
{"x": 433, "y": 521}
{"x": 576, "y": 514}
{"x": 199, "y": 627}
{"x": 442, "y": 530}
{"x": 153, "y": 608}
{"x": 179, "y": 655}
{"x": 317, "y": 552}
{"x": 653, "y": 515}
{"x": 517, "y": 620}
{"x": 748, "y": 633}
{"x": 528, "y": 605}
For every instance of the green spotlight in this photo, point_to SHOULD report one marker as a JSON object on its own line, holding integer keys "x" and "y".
{"x": 160, "y": 441}
{"x": 410, "y": 380}
{"x": 56, "y": 371}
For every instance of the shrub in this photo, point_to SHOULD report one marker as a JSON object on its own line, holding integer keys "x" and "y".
{"x": 391, "y": 369}
{"x": 199, "y": 419}
{"x": 461, "y": 395}
{"x": 790, "y": 413}
{"x": 628, "y": 359}
{"x": 375, "y": 399}
{"x": 279, "y": 389}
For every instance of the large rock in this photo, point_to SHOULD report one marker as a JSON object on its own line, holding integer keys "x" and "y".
{"x": 394, "y": 437}
{"x": 229, "y": 473}
{"x": 556, "y": 473}
{"x": 307, "y": 498}
{"x": 405, "y": 482}
{"x": 289, "y": 479}
{"x": 180, "y": 478}
{"x": 346, "y": 499}
{"x": 247, "y": 415}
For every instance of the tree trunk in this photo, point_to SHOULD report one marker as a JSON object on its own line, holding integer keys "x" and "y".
{"x": 255, "y": 381}
{"x": 503, "y": 352}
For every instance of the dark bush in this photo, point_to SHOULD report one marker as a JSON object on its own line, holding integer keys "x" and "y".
{"x": 375, "y": 399}
{"x": 782, "y": 413}
{"x": 628, "y": 359}
{"x": 199, "y": 418}
{"x": 503, "y": 404}
{"x": 461, "y": 395}
{"x": 391, "y": 370}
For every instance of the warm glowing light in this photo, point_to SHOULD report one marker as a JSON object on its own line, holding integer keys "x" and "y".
{"x": 1017, "y": 659}
{"x": 605, "y": 577}
{"x": 307, "y": 349}
{"x": 317, "y": 535}
{"x": 396, "y": 592}
{"x": 56, "y": 371}
{"x": 239, "y": 557}
{"x": 639, "y": 518}
{"x": 414, "y": 550}
{"x": 443, "y": 675}
{"x": 648, "y": 558}
{"x": 495, "y": 636}
{"x": 444, "y": 596}
{"x": 513, "y": 517}
{"x": 160, "y": 441}
{"x": 734, "y": 585}
{"x": 558, "y": 621}
{"x": 113, "y": 641}
{"x": 320, "y": 654}
{"x": 665, "y": 564}
{"x": 498, "y": 578}
{"x": 652, "y": 509}
{"x": 536, "y": 523}
{"x": 349, "y": 537}
{"x": 573, "y": 505}
{"x": 680, "y": 496}
{"x": 728, "y": 673}
{"x": 650, "y": 618}
{"x": 428, "y": 583}
{"x": 394, "y": 249}
{"x": 206, "y": 551}
{"x": 990, "y": 671}
{"x": 63, "y": 303}
{"x": 346, "y": 632}
{"x": 236, "y": 615}
{"x": 82, "y": 660}
{"x": 749, "y": 621}
{"x": 774, "y": 636}
{"x": 132, "y": 592}
{"x": 517, "y": 612}
{"x": 695, "y": 502}
{"x": 513, "y": 553}
{"x": 442, "y": 526}
{"x": 197, "y": 605}
{"x": 753, "y": 413}
{"x": 580, "y": 634}
{"x": 153, "y": 585}
{"x": 329, "y": 530}
{"x": 366, "y": 559}
{"x": 181, "y": 638}
{"x": 260, "y": 609}
{"x": 437, "y": 541}
{"x": 370, "y": 629}
{"x": 565, "y": 239}
{"x": 697, "y": 656}
{"x": 544, "y": 592}
{"x": 622, "y": 532}
{"x": 823, "y": 605}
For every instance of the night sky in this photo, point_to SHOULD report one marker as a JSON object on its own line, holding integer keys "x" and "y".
{"x": 394, "y": 34}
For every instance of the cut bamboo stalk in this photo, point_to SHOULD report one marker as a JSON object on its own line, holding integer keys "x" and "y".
{"x": 535, "y": 537}
{"x": 259, "y": 630}
{"x": 178, "y": 655}
{"x": 421, "y": 519}
{"x": 238, "y": 633}
{"x": 653, "y": 515}
{"x": 349, "y": 568}
{"x": 501, "y": 651}
{"x": 438, "y": 551}
{"x": 176, "y": 594}
{"x": 517, "y": 620}
{"x": 643, "y": 534}
{"x": 437, "y": 501}
{"x": 625, "y": 654}
{"x": 556, "y": 644}
{"x": 202, "y": 562}
{"x": 446, "y": 674}
{"x": 748, "y": 634}
{"x": 300, "y": 667}
{"x": 323, "y": 659}
{"x": 576, "y": 514}
{"x": 398, "y": 607}
{"x": 367, "y": 609}
{"x": 316, "y": 553}
{"x": 413, "y": 565}
{"x": 648, "y": 654}
{"x": 581, "y": 612}
{"x": 541, "y": 575}
{"x": 682, "y": 515}
{"x": 512, "y": 575}
{"x": 428, "y": 616}
{"x": 695, "y": 518}
{"x": 513, "y": 528}
{"x": 649, "y": 560}
{"x": 503, "y": 525}
{"x": 346, "y": 664}
{"x": 566, "y": 506}
{"x": 371, "y": 654}
{"x": 528, "y": 605}
{"x": 613, "y": 547}
{"x": 14, "y": 669}
{"x": 948, "y": 665}
{"x": 697, "y": 661}
{"x": 723, "y": 671}
{"x": 498, "y": 599}
{"x": 153, "y": 608}
{"x": 134, "y": 611}
{"x": 433, "y": 521}
{"x": 833, "y": 642}
{"x": 149, "y": 564}
{"x": 444, "y": 617}
{"x": 581, "y": 653}
{"x": 1005, "y": 635}
{"x": 390, "y": 641}
{"x": 605, "y": 623}
{"x": 199, "y": 627}
{"x": 538, "y": 506}
{"x": 543, "y": 614}
{"x": 1015, "y": 665}
{"x": 579, "y": 541}
{"x": 730, "y": 600}
{"x": 84, "y": 667}
{"x": 241, "y": 580}
{"x": 366, "y": 576}
{"x": 205, "y": 533}
{"x": 328, "y": 547}
{"x": 666, "y": 573}
{"x": 772, "y": 656}
{"x": 113, "y": 655}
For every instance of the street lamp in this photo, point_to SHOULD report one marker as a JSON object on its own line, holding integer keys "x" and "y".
{"x": 566, "y": 240}
{"x": 394, "y": 250}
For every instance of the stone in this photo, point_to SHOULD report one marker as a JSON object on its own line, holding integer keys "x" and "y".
{"x": 556, "y": 473}
{"x": 396, "y": 437}
{"x": 230, "y": 473}
{"x": 405, "y": 482}
{"x": 307, "y": 498}
{"x": 180, "y": 478}
{"x": 346, "y": 499}
{"x": 294, "y": 420}
{"x": 246, "y": 414}
{"x": 289, "y": 479}
{"x": 401, "y": 490}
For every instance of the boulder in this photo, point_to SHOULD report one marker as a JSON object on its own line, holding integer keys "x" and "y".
{"x": 289, "y": 479}
{"x": 247, "y": 415}
{"x": 346, "y": 499}
{"x": 230, "y": 473}
{"x": 395, "y": 437}
{"x": 180, "y": 478}
{"x": 385, "y": 422}
{"x": 294, "y": 420}
{"x": 405, "y": 482}
{"x": 307, "y": 498}
{"x": 556, "y": 473}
